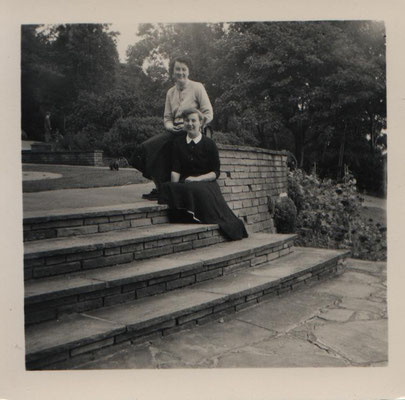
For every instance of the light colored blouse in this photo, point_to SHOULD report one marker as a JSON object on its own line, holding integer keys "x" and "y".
{"x": 193, "y": 95}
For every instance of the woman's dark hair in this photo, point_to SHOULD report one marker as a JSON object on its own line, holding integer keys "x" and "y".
{"x": 182, "y": 59}
{"x": 189, "y": 111}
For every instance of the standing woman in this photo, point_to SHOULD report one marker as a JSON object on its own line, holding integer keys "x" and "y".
{"x": 155, "y": 153}
{"x": 193, "y": 192}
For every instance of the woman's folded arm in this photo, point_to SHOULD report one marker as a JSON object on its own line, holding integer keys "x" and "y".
{"x": 210, "y": 176}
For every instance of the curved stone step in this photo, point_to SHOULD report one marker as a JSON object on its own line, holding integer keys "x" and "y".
{"x": 61, "y": 342}
{"x": 66, "y": 255}
{"x": 49, "y": 297}
{"x": 39, "y": 225}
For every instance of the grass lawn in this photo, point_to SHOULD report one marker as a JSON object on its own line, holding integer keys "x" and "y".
{"x": 374, "y": 210}
{"x": 74, "y": 177}
{"x": 374, "y": 215}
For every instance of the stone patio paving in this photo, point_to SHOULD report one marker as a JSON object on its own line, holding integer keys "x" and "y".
{"x": 337, "y": 323}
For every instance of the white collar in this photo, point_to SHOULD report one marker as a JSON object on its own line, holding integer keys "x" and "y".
{"x": 195, "y": 140}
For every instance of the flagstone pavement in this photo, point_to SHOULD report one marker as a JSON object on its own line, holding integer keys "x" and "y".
{"x": 337, "y": 323}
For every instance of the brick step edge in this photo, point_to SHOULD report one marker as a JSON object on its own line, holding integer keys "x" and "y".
{"x": 65, "y": 358}
{"x": 75, "y": 259}
{"x": 74, "y": 222}
{"x": 104, "y": 294}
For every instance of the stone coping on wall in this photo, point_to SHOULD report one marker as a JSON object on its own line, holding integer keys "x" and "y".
{"x": 232, "y": 147}
{"x": 224, "y": 147}
{"x": 93, "y": 158}
{"x": 62, "y": 152}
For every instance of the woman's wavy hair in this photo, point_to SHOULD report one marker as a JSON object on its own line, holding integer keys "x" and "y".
{"x": 189, "y": 111}
{"x": 183, "y": 59}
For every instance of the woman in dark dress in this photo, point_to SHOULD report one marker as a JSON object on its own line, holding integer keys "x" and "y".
{"x": 193, "y": 189}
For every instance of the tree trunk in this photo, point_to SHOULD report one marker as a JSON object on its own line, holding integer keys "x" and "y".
{"x": 275, "y": 138}
{"x": 341, "y": 154}
{"x": 260, "y": 131}
{"x": 299, "y": 147}
{"x": 373, "y": 134}
{"x": 372, "y": 127}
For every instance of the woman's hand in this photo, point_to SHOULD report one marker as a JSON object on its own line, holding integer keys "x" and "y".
{"x": 176, "y": 128}
{"x": 174, "y": 177}
{"x": 170, "y": 127}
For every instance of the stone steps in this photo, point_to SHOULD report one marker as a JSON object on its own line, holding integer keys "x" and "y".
{"x": 49, "y": 298}
{"x": 72, "y": 338}
{"x": 39, "y": 225}
{"x": 129, "y": 261}
{"x": 58, "y": 256}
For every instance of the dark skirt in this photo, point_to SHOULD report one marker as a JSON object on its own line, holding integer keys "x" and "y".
{"x": 154, "y": 156}
{"x": 204, "y": 201}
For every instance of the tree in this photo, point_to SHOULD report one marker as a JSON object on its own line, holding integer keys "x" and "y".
{"x": 59, "y": 62}
{"x": 38, "y": 75}
{"x": 309, "y": 87}
{"x": 162, "y": 42}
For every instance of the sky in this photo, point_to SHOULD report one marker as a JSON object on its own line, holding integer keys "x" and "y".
{"x": 126, "y": 38}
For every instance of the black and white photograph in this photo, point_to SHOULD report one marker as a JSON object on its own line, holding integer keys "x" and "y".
{"x": 202, "y": 197}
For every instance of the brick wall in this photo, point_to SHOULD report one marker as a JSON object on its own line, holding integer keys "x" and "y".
{"x": 94, "y": 158}
{"x": 249, "y": 177}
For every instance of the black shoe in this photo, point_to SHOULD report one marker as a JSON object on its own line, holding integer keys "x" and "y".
{"x": 153, "y": 195}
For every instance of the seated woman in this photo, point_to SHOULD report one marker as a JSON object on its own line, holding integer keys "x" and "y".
{"x": 193, "y": 188}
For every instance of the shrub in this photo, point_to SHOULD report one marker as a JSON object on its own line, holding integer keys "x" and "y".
{"x": 329, "y": 216}
{"x": 240, "y": 138}
{"x": 125, "y": 133}
{"x": 226, "y": 138}
{"x": 285, "y": 215}
{"x": 295, "y": 192}
{"x": 130, "y": 132}
{"x": 137, "y": 129}
{"x": 111, "y": 144}
{"x": 89, "y": 138}
{"x": 103, "y": 111}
